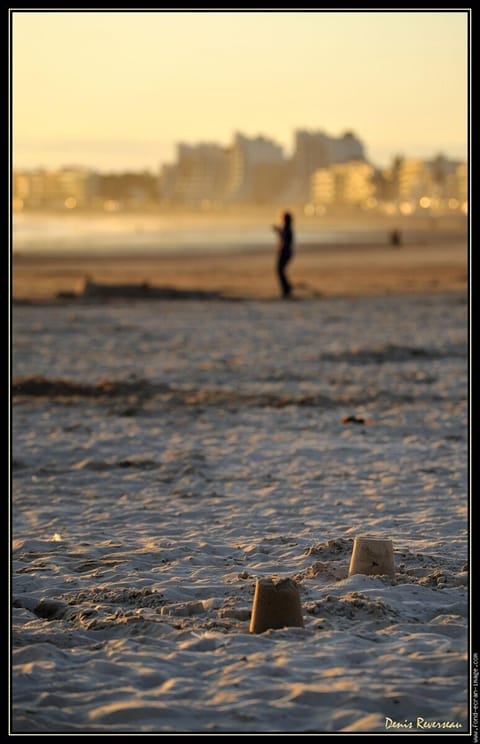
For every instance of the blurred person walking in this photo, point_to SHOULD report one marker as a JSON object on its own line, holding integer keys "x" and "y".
{"x": 284, "y": 252}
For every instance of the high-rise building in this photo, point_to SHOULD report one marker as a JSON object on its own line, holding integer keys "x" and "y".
{"x": 315, "y": 150}
{"x": 343, "y": 184}
{"x": 255, "y": 163}
{"x": 414, "y": 180}
{"x": 69, "y": 186}
{"x": 200, "y": 174}
{"x": 323, "y": 187}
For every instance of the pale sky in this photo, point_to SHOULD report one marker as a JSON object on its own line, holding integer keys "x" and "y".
{"x": 118, "y": 89}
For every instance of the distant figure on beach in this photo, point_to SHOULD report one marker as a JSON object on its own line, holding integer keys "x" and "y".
{"x": 284, "y": 252}
{"x": 395, "y": 237}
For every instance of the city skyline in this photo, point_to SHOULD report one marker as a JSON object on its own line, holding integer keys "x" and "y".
{"x": 117, "y": 91}
{"x": 157, "y": 167}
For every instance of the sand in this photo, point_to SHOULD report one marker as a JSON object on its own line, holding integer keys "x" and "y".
{"x": 330, "y": 270}
{"x": 168, "y": 454}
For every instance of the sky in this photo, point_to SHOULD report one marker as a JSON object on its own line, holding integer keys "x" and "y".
{"x": 118, "y": 90}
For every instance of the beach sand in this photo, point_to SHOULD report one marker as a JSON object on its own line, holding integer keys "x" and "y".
{"x": 166, "y": 455}
{"x": 316, "y": 270}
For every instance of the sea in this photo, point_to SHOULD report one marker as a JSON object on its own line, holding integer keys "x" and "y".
{"x": 121, "y": 233}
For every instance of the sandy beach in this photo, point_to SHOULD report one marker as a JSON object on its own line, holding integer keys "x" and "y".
{"x": 240, "y": 501}
{"x": 168, "y": 454}
{"x": 330, "y": 270}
